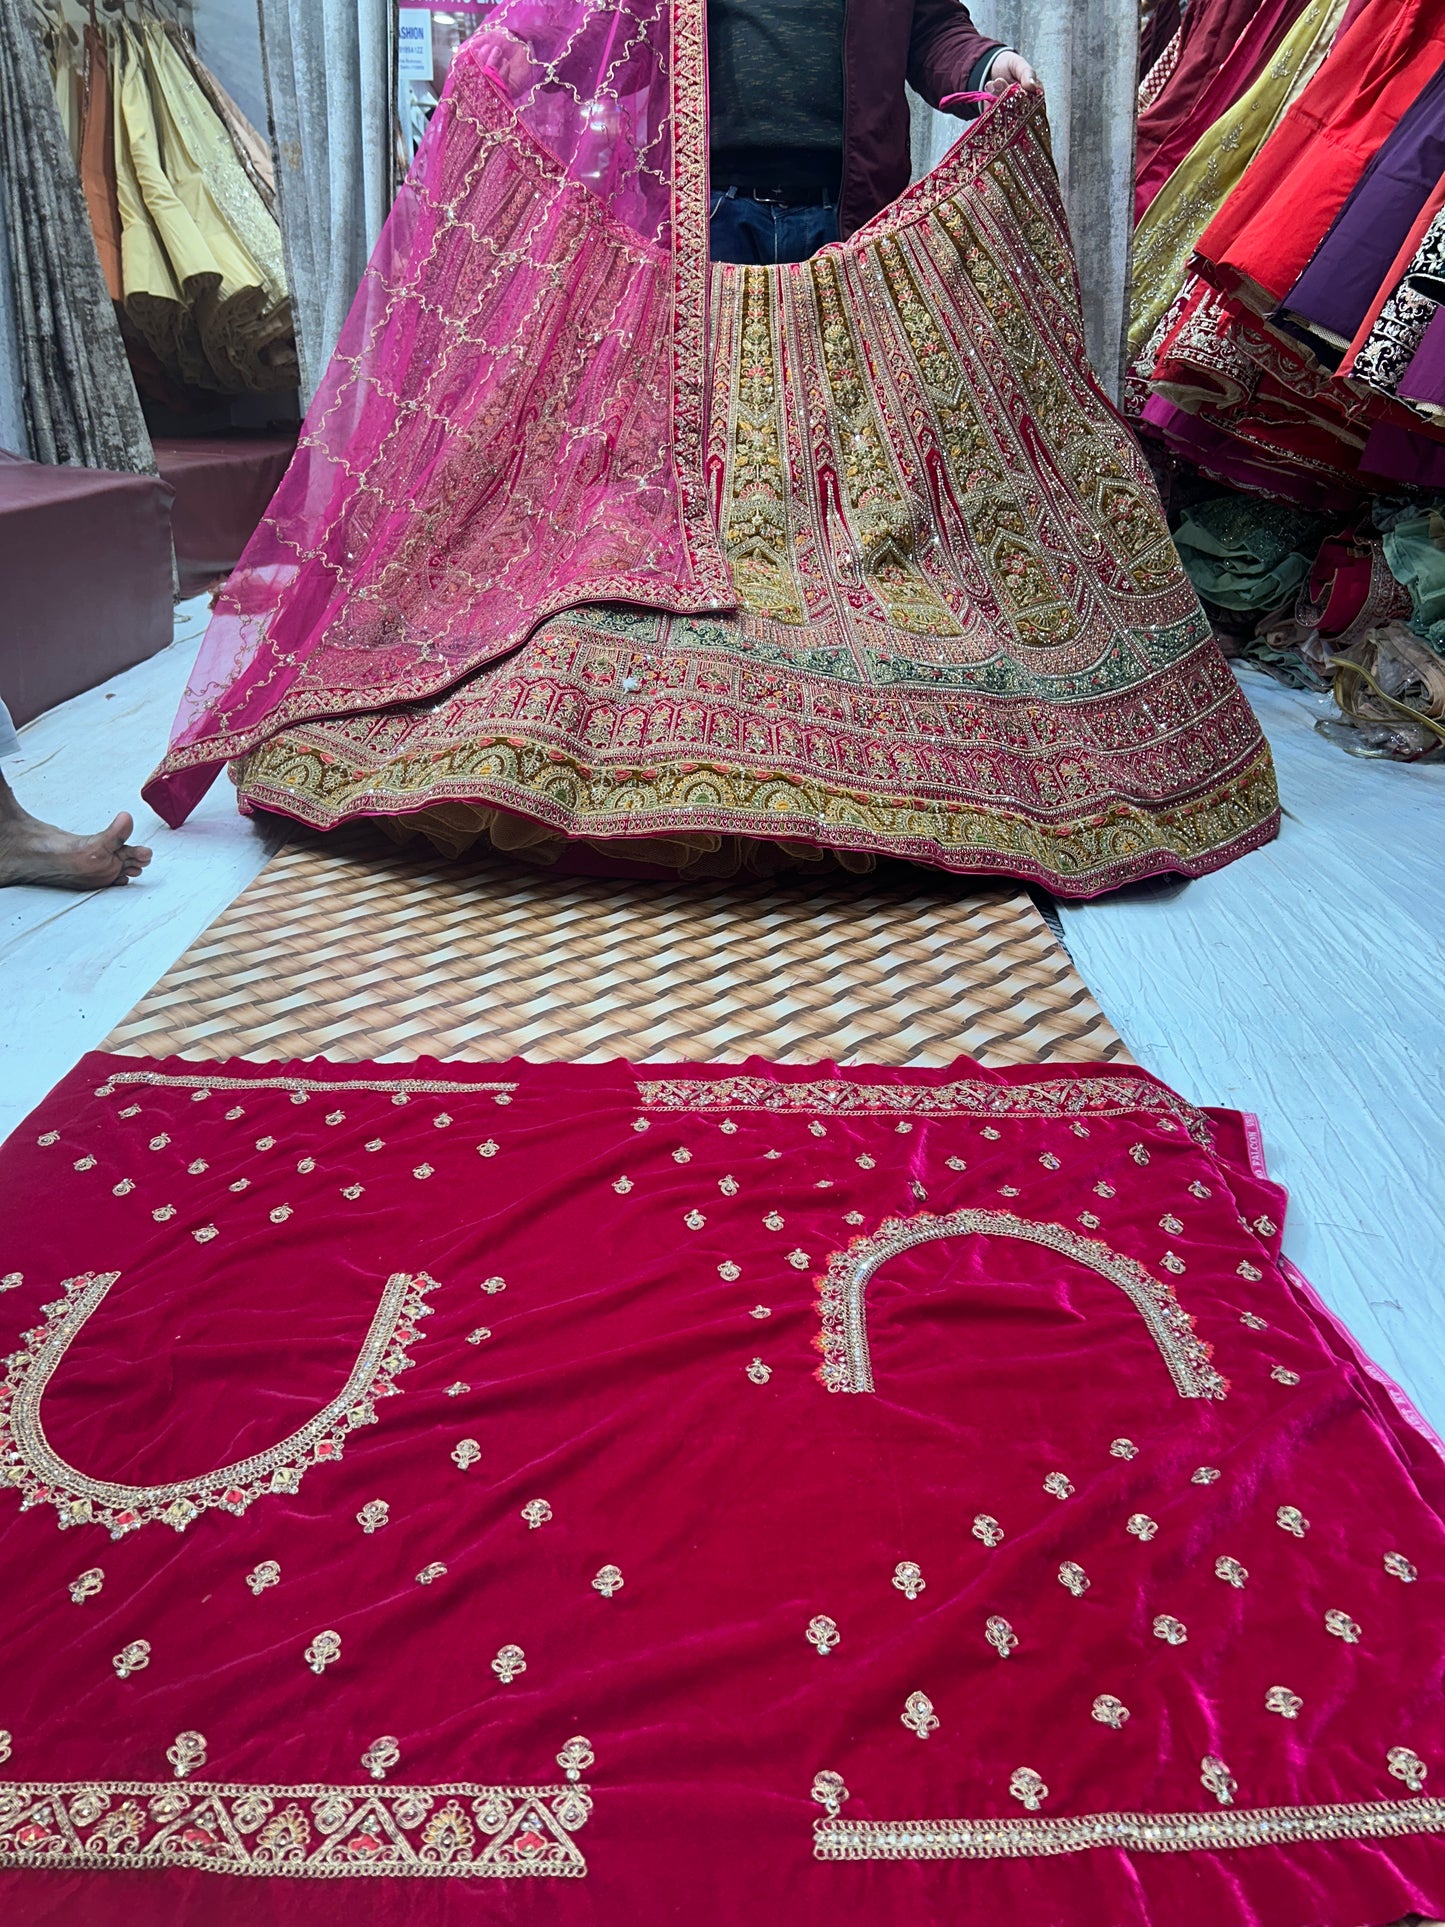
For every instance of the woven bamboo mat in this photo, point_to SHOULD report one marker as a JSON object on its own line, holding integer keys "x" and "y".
{"x": 351, "y": 948}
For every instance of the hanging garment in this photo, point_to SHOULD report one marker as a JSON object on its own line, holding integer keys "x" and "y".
{"x": 706, "y": 1492}
{"x": 963, "y": 634}
{"x": 1243, "y": 554}
{"x": 1331, "y": 298}
{"x": 201, "y": 257}
{"x": 80, "y": 402}
{"x": 1423, "y": 381}
{"x": 1204, "y": 180}
{"x": 1262, "y": 238}
{"x": 1209, "y": 30}
{"x": 97, "y": 162}
{"x": 1231, "y": 71}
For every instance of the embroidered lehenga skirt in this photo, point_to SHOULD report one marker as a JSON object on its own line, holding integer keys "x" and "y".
{"x": 964, "y": 636}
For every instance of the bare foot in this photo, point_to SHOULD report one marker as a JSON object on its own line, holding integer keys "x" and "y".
{"x": 36, "y": 852}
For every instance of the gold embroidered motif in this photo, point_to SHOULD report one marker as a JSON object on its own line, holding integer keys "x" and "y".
{"x": 918, "y": 1715}
{"x": 1230, "y": 1570}
{"x": 1244, "y": 1269}
{"x": 1399, "y": 1567}
{"x": 1089, "y": 1220}
{"x": 761, "y": 1311}
{"x": 133, "y": 1658}
{"x": 1028, "y": 1786}
{"x": 908, "y": 1578}
{"x": 88, "y": 1163}
{"x": 956, "y": 1164}
{"x": 1289, "y": 1518}
{"x": 87, "y": 1585}
{"x": 304, "y": 1165}
{"x": 336, "y": 1117}
{"x": 1103, "y": 1189}
{"x": 1008, "y": 1190}
{"x": 459, "y": 1831}
{"x": 491, "y": 1286}
{"x": 608, "y": 1581}
{"x": 1109, "y": 1711}
{"x": 188, "y": 1753}
{"x": 1204, "y": 1475}
{"x": 163, "y": 1213}
{"x": 1199, "y": 1190}
{"x": 381, "y": 1756}
{"x": 28, "y": 1461}
{"x": 728, "y": 1185}
{"x": 163, "y": 1138}
{"x": 1279, "y": 1699}
{"x": 423, "y": 1171}
{"x": 352, "y": 1191}
{"x": 987, "y": 1528}
{"x": 641, "y": 1124}
{"x": 694, "y": 1220}
{"x": 852, "y": 1217}
{"x": 1073, "y": 1577}
{"x": 865, "y": 1163}
{"x": 1172, "y": 1263}
{"x": 509, "y": 1663}
{"x": 241, "y": 1184}
{"x": 1171, "y": 1224}
{"x": 1342, "y": 1626}
{"x": 1282, "y": 1375}
{"x": 728, "y": 1126}
{"x": 1049, "y": 1161}
{"x": 1217, "y": 1778}
{"x": 13, "y": 1280}
{"x": 843, "y": 1339}
{"x": 1056, "y": 1484}
{"x": 429, "y": 1574}
{"x": 204, "y": 1234}
{"x": 268, "y": 1573}
{"x": 823, "y": 1633}
{"x": 53, "y": 1137}
{"x": 729, "y": 1272}
{"x": 989, "y": 1132}
{"x": 7, "y": 1744}
{"x": 1170, "y": 1629}
{"x": 799, "y": 1260}
{"x": 262, "y": 1144}
{"x": 488, "y": 1148}
{"x": 536, "y": 1512}
{"x": 1142, "y": 1526}
{"x": 758, "y": 1372}
{"x": 774, "y": 1221}
{"x": 1266, "y": 1227}
{"x": 1407, "y": 1766}
{"x": 1000, "y": 1635}
{"x": 1139, "y": 1153}
{"x": 1254, "y": 1321}
{"x": 323, "y": 1651}
{"x": 829, "y": 1791}
{"x": 465, "y": 1454}
{"x": 1123, "y": 1449}
{"x": 281, "y": 1213}
{"x": 375, "y": 1144}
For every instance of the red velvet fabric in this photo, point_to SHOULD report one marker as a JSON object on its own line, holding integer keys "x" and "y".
{"x": 612, "y": 1230}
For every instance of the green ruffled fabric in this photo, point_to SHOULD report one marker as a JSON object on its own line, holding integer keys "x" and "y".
{"x": 1244, "y": 553}
{"x": 1415, "y": 551}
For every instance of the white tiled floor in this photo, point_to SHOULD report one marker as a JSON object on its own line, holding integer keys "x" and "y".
{"x": 72, "y": 966}
{"x": 1305, "y": 983}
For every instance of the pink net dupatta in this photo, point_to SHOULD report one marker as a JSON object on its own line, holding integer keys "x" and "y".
{"x": 513, "y": 419}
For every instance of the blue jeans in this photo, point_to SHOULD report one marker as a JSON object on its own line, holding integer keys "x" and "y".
{"x": 762, "y": 234}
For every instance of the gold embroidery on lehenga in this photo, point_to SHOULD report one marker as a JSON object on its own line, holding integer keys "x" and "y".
{"x": 908, "y": 1578}
{"x": 1217, "y": 1778}
{"x": 1230, "y": 1571}
{"x": 1058, "y": 1486}
{"x": 301, "y": 1086}
{"x": 1289, "y": 1518}
{"x": 829, "y": 1791}
{"x": 536, "y": 1512}
{"x": 1028, "y": 1786}
{"x": 465, "y": 1453}
{"x": 457, "y": 1831}
{"x": 381, "y": 1756}
{"x": 1342, "y": 1626}
{"x": 1123, "y": 1449}
{"x": 986, "y": 1528}
{"x": 758, "y": 1372}
{"x": 1399, "y": 1567}
{"x": 1142, "y": 1526}
{"x": 29, "y": 1462}
{"x": 373, "y": 1516}
{"x": 918, "y": 1715}
{"x": 430, "y": 1574}
{"x": 87, "y": 1584}
{"x": 510, "y": 1662}
{"x": 323, "y": 1651}
{"x": 1279, "y": 1699}
{"x": 187, "y": 1754}
{"x": 1006, "y": 1839}
{"x": 1073, "y": 1578}
{"x": 823, "y": 1633}
{"x": 1000, "y": 1635}
{"x": 1109, "y": 1711}
{"x": 843, "y": 1338}
{"x": 1407, "y": 1766}
{"x": 133, "y": 1658}
{"x": 267, "y": 1573}
{"x": 608, "y": 1581}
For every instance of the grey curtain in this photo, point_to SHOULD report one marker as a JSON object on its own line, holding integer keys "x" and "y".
{"x": 330, "y": 83}
{"x": 1087, "y": 55}
{"x": 80, "y": 404}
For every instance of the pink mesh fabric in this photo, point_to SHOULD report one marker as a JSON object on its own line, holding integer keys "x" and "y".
{"x": 512, "y": 421}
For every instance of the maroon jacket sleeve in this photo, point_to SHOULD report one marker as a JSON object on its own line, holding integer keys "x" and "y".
{"x": 944, "y": 49}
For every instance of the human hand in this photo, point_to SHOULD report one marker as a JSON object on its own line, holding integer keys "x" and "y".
{"x": 1012, "y": 70}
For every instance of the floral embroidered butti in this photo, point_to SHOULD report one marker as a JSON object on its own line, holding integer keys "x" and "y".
{"x": 584, "y": 543}
{"x": 1166, "y": 1625}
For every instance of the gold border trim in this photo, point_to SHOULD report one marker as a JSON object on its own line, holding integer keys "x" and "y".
{"x": 967, "y": 1097}
{"x": 456, "y": 1831}
{"x": 409, "y": 1086}
{"x": 1011, "y": 1839}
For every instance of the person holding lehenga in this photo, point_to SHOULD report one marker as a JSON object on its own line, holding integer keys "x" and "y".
{"x": 608, "y": 554}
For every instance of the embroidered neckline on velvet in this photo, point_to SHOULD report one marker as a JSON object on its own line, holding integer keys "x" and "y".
{"x": 972, "y": 1097}
{"x": 458, "y": 1831}
{"x": 1010, "y": 1839}
{"x": 29, "y": 1462}
{"x": 843, "y": 1338}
